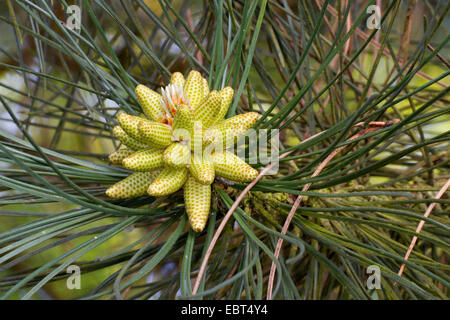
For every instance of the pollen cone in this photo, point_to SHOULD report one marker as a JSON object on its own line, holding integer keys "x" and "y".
{"x": 194, "y": 88}
{"x": 130, "y": 124}
{"x": 168, "y": 181}
{"x": 127, "y": 140}
{"x": 150, "y": 102}
{"x": 197, "y": 198}
{"x": 230, "y": 166}
{"x": 177, "y": 78}
{"x": 144, "y": 160}
{"x": 205, "y": 87}
{"x": 183, "y": 123}
{"x": 208, "y": 109}
{"x": 117, "y": 156}
{"x": 202, "y": 169}
{"x": 227, "y": 96}
{"x": 177, "y": 155}
{"x": 230, "y": 129}
{"x": 133, "y": 186}
{"x": 155, "y": 134}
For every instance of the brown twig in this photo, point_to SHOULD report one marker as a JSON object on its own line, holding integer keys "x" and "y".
{"x": 439, "y": 56}
{"x": 190, "y": 22}
{"x": 421, "y": 224}
{"x": 373, "y": 126}
{"x": 406, "y": 34}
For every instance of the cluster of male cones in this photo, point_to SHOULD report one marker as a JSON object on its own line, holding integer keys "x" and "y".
{"x": 165, "y": 146}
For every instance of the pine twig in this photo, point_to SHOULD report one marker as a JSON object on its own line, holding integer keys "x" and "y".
{"x": 421, "y": 224}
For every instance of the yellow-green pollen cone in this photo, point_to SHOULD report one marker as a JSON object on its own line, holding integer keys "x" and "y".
{"x": 165, "y": 146}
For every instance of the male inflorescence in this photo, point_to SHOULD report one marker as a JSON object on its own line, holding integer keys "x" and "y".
{"x": 181, "y": 141}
